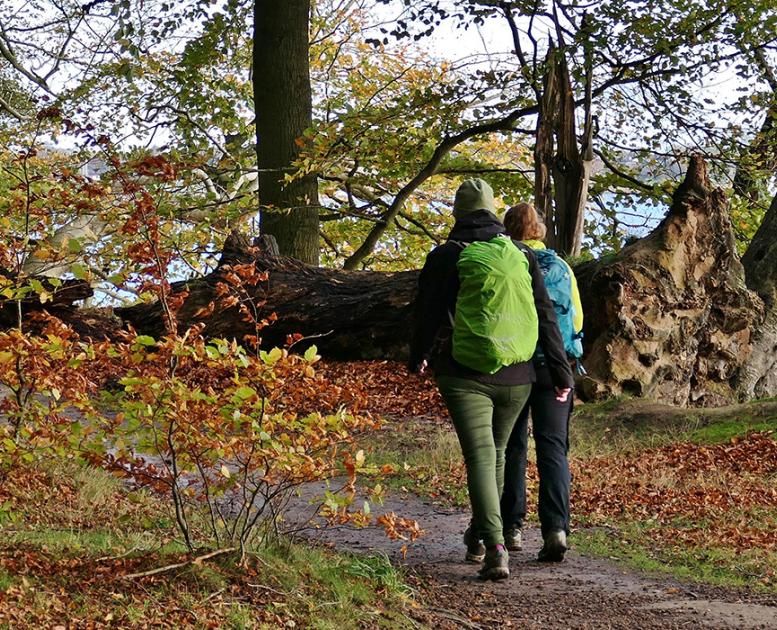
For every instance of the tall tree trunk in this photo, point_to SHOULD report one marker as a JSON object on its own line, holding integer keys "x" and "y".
{"x": 283, "y": 103}
{"x": 758, "y": 376}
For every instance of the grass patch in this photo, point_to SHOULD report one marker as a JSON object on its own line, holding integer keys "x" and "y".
{"x": 6, "y": 580}
{"x": 621, "y": 424}
{"x": 65, "y": 566}
{"x": 727, "y": 429}
{"x": 683, "y": 491}
{"x": 425, "y": 458}
{"x": 68, "y": 543}
{"x": 719, "y": 566}
{"x": 337, "y": 590}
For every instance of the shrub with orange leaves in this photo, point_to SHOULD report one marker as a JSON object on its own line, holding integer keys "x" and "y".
{"x": 210, "y": 424}
{"x": 226, "y": 431}
{"x": 47, "y": 384}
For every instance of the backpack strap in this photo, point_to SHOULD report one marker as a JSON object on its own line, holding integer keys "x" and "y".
{"x": 462, "y": 245}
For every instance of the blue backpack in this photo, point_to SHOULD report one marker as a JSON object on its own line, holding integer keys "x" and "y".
{"x": 558, "y": 283}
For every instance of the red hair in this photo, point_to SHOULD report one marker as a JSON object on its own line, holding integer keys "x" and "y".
{"x": 523, "y": 223}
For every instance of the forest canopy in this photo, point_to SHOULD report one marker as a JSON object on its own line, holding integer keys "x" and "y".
{"x": 404, "y": 100}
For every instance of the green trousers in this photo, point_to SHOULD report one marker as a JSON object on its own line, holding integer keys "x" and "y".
{"x": 483, "y": 416}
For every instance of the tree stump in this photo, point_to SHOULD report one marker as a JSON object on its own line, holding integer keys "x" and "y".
{"x": 669, "y": 317}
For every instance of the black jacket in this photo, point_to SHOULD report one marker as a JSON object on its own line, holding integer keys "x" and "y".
{"x": 438, "y": 286}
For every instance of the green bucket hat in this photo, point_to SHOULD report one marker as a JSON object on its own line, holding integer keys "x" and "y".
{"x": 472, "y": 195}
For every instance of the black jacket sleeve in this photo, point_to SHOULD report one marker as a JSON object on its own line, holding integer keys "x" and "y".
{"x": 437, "y": 288}
{"x": 550, "y": 335}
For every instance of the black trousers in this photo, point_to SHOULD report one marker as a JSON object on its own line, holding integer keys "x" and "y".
{"x": 550, "y": 422}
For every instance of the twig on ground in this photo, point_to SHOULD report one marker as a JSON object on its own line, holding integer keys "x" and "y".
{"x": 451, "y": 617}
{"x": 269, "y": 589}
{"x": 180, "y": 565}
{"x": 124, "y": 555}
{"x": 215, "y": 594}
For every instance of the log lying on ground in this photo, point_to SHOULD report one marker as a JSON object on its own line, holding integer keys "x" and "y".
{"x": 348, "y": 314}
{"x": 669, "y": 317}
{"x": 59, "y": 301}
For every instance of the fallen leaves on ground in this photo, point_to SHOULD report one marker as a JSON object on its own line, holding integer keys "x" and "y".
{"x": 389, "y": 389}
{"x": 89, "y": 593}
{"x": 60, "y": 497}
{"x": 717, "y": 495}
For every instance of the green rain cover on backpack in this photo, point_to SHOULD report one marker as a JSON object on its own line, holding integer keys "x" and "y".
{"x": 495, "y": 323}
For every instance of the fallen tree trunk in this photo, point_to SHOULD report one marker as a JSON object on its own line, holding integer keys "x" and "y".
{"x": 348, "y": 314}
{"x": 669, "y": 317}
{"x": 59, "y": 301}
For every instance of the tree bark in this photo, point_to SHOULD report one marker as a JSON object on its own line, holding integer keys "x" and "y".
{"x": 570, "y": 172}
{"x": 283, "y": 105}
{"x": 544, "y": 145}
{"x": 347, "y": 314}
{"x": 561, "y": 176}
{"x": 669, "y": 317}
{"x": 60, "y": 300}
{"x": 758, "y": 376}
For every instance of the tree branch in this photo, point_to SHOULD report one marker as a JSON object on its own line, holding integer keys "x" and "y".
{"x": 501, "y": 124}
{"x": 624, "y": 175}
{"x": 10, "y": 109}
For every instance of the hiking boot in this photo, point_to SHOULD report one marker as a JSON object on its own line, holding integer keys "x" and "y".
{"x": 495, "y": 565}
{"x": 476, "y": 550}
{"x": 554, "y": 548}
{"x": 513, "y": 539}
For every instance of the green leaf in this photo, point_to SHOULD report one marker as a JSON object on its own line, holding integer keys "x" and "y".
{"x": 74, "y": 246}
{"x": 271, "y": 357}
{"x": 37, "y": 286}
{"x": 145, "y": 340}
{"x": 78, "y": 270}
{"x": 245, "y": 392}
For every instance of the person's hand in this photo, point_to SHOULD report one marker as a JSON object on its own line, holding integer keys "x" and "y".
{"x": 422, "y": 367}
{"x": 562, "y": 394}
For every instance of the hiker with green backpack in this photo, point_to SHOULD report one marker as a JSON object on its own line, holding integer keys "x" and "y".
{"x": 481, "y": 309}
{"x": 550, "y": 417}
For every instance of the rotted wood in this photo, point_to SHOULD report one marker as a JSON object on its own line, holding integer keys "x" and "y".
{"x": 669, "y": 317}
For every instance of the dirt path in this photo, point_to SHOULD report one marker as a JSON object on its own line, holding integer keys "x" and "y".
{"x": 581, "y": 592}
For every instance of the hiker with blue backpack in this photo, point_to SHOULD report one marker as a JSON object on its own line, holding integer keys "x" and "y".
{"x": 480, "y": 311}
{"x": 550, "y": 416}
